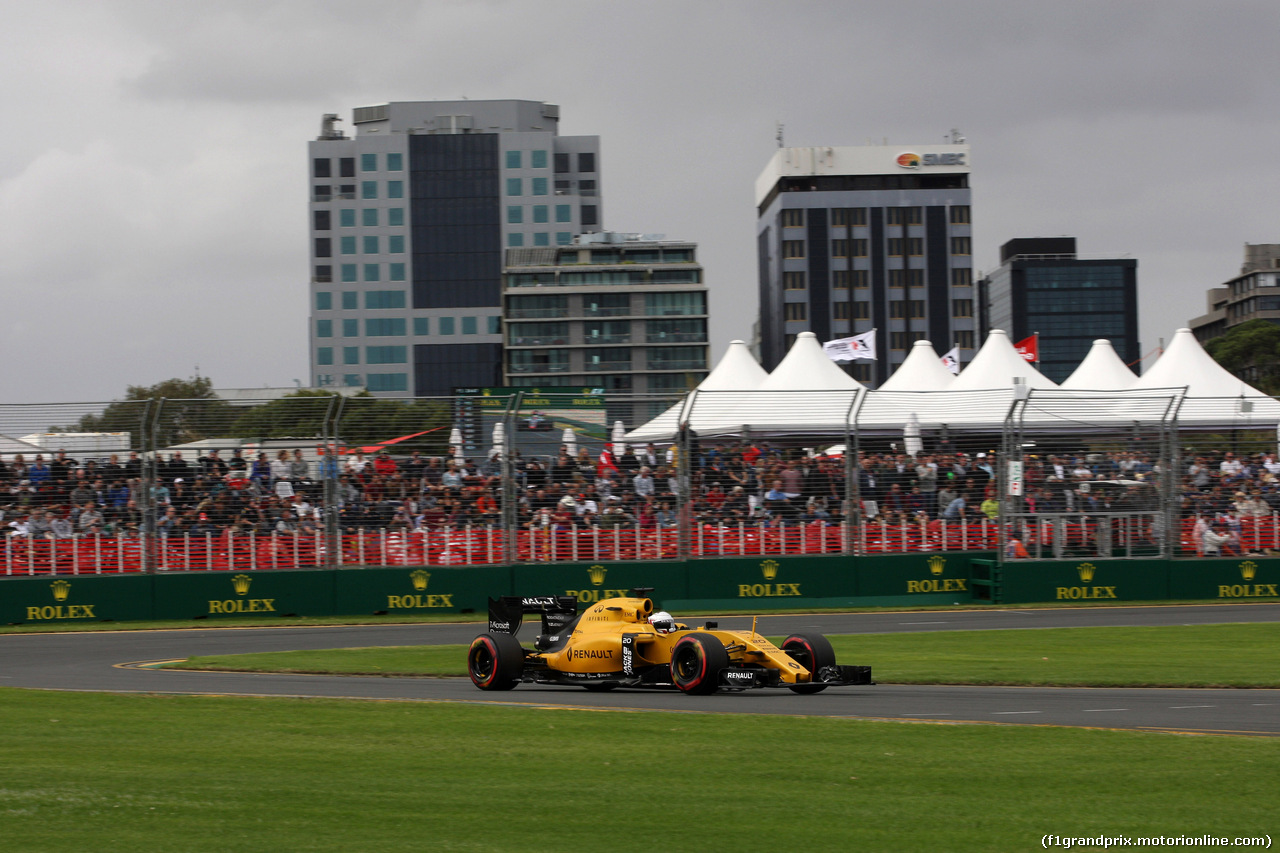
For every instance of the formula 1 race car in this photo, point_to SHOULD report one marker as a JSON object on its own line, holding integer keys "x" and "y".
{"x": 621, "y": 642}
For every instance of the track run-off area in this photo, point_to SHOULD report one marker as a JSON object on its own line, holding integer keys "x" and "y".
{"x": 117, "y": 661}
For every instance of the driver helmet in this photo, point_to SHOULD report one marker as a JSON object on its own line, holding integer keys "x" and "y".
{"x": 663, "y": 621}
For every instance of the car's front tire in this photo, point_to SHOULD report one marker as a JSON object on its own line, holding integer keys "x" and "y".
{"x": 696, "y": 663}
{"x": 495, "y": 661}
{"x": 813, "y": 652}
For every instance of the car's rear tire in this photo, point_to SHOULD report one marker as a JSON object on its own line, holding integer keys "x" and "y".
{"x": 495, "y": 661}
{"x": 696, "y": 662}
{"x": 813, "y": 652}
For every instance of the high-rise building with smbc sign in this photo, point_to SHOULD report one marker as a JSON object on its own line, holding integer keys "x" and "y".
{"x": 860, "y": 238}
{"x": 410, "y": 218}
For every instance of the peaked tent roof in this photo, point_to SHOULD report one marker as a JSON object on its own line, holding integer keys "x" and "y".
{"x": 1186, "y": 363}
{"x": 996, "y": 365}
{"x": 921, "y": 370}
{"x": 807, "y": 368}
{"x": 737, "y": 370}
{"x": 1101, "y": 370}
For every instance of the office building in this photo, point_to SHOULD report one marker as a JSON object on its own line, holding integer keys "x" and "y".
{"x": 1042, "y": 287}
{"x": 410, "y": 218}
{"x": 625, "y": 313}
{"x": 1252, "y": 295}
{"x": 860, "y": 238}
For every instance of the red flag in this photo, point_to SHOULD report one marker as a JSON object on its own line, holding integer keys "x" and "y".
{"x": 606, "y": 462}
{"x": 1029, "y": 348}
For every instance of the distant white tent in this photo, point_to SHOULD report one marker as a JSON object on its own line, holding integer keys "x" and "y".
{"x": 1186, "y": 363}
{"x": 922, "y": 370}
{"x": 1101, "y": 370}
{"x": 737, "y": 370}
{"x": 996, "y": 365}
{"x": 807, "y": 368}
{"x": 10, "y": 447}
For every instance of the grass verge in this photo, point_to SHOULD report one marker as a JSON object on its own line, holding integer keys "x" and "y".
{"x": 1235, "y": 655}
{"x": 193, "y": 773}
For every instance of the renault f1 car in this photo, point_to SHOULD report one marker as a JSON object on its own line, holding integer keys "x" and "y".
{"x": 619, "y": 643}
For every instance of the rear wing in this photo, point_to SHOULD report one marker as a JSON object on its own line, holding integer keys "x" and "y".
{"x": 506, "y": 614}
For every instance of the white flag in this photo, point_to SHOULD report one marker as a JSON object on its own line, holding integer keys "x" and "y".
{"x": 861, "y": 346}
{"x": 951, "y": 361}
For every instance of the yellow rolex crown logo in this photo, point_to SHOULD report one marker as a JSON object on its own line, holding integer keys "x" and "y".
{"x": 1086, "y": 571}
{"x": 936, "y": 564}
{"x": 769, "y": 568}
{"x": 1248, "y": 570}
{"x": 61, "y": 589}
{"x": 241, "y": 584}
{"x": 419, "y": 579}
{"x": 597, "y": 574}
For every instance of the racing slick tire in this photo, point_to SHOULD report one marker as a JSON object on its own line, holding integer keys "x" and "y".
{"x": 495, "y": 661}
{"x": 696, "y": 662}
{"x": 813, "y": 652}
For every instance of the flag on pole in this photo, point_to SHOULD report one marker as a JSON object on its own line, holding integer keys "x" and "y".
{"x": 951, "y": 360}
{"x": 1029, "y": 348}
{"x": 861, "y": 346}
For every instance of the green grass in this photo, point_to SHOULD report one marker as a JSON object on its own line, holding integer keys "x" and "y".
{"x": 191, "y": 773}
{"x": 1236, "y": 655}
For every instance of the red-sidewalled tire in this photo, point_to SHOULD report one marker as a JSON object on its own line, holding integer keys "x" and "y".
{"x": 813, "y": 652}
{"x": 495, "y": 661}
{"x": 696, "y": 662}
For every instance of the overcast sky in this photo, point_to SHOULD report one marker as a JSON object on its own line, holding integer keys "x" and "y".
{"x": 153, "y": 184}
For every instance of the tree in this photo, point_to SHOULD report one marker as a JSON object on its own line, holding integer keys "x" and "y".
{"x": 190, "y": 411}
{"x": 364, "y": 419}
{"x": 1251, "y": 351}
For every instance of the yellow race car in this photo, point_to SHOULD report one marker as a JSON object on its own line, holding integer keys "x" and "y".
{"x": 621, "y": 642}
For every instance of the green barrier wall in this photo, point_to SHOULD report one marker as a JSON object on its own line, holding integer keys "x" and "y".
{"x": 213, "y": 595}
{"x": 430, "y": 589}
{"x": 1225, "y": 580}
{"x": 76, "y": 598}
{"x": 1083, "y": 581}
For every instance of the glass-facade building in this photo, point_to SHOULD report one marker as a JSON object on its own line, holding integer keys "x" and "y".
{"x": 1043, "y": 288}
{"x": 409, "y": 222}
{"x": 861, "y": 238}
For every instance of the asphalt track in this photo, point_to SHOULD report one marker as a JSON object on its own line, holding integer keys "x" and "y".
{"x": 114, "y": 662}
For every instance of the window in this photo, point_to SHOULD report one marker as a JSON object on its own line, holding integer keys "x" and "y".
{"x": 347, "y": 245}
{"x": 562, "y": 163}
{"x": 677, "y": 358}
{"x": 540, "y": 213}
{"x": 538, "y": 186}
{"x": 964, "y": 339}
{"x": 390, "y": 327}
{"x": 368, "y": 189}
{"x": 915, "y": 278}
{"x": 351, "y": 355}
{"x": 861, "y": 372}
{"x": 347, "y": 167}
{"x": 793, "y": 281}
{"x": 324, "y": 248}
{"x": 514, "y": 160}
{"x": 371, "y": 245}
{"x": 347, "y": 191}
{"x": 793, "y": 248}
{"x": 676, "y": 331}
{"x": 349, "y": 273}
{"x": 395, "y": 244}
{"x": 395, "y": 189}
{"x": 495, "y": 324}
{"x": 539, "y": 334}
{"x": 320, "y": 220}
{"x": 904, "y": 340}
{"x": 395, "y": 162}
{"x": 673, "y": 304}
{"x": 915, "y": 245}
{"x": 959, "y": 214}
{"x": 960, "y": 246}
{"x": 842, "y": 217}
{"x": 347, "y": 217}
{"x": 468, "y": 325}
{"x": 961, "y": 307}
{"x": 381, "y": 299}
{"x": 589, "y": 215}
{"x": 793, "y": 218}
{"x": 422, "y": 325}
{"x": 351, "y": 328}
{"x": 860, "y": 278}
{"x": 538, "y": 361}
{"x": 903, "y": 215}
{"x": 862, "y": 310}
{"x": 368, "y": 162}
{"x": 515, "y": 214}
{"x": 445, "y": 325}
{"x": 587, "y": 188}
{"x": 324, "y": 328}
{"x": 537, "y": 159}
{"x": 515, "y": 241}
{"x": 351, "y": 380}
{"x": 323, "y": 273}
{"x": 839, "y": 248}
{"x": 796, "y": 310}
{"x": 840, "y": 311}
{"x": 386, "y": 355}
{"x": 388, "y": 381}
{"x": 961, "y": 277}
{"x": 840, "y": 279}
{"x": 564, "y": 213}
{"x": 542, "y": 238}
{"x": 915, "y": 309}
{"x": 587, "y": 161}
{"x": 322, "y": 193}
{"x": 535, "y": 307}
{"x": 372, "y": 272}
{"x": 515, "y": 186}
{"x": 859, "y": 247}
{"x": 324, "y": 300}
{"x": 564, "y": 238}
{"x": 322, "y": 167}
{"x": 897, "y": 309}
{"x": 395, "y": 216}
{"x": 895, "y": 246}
{"x": 897, "y": 278}
{"x": 324, "y": 355}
